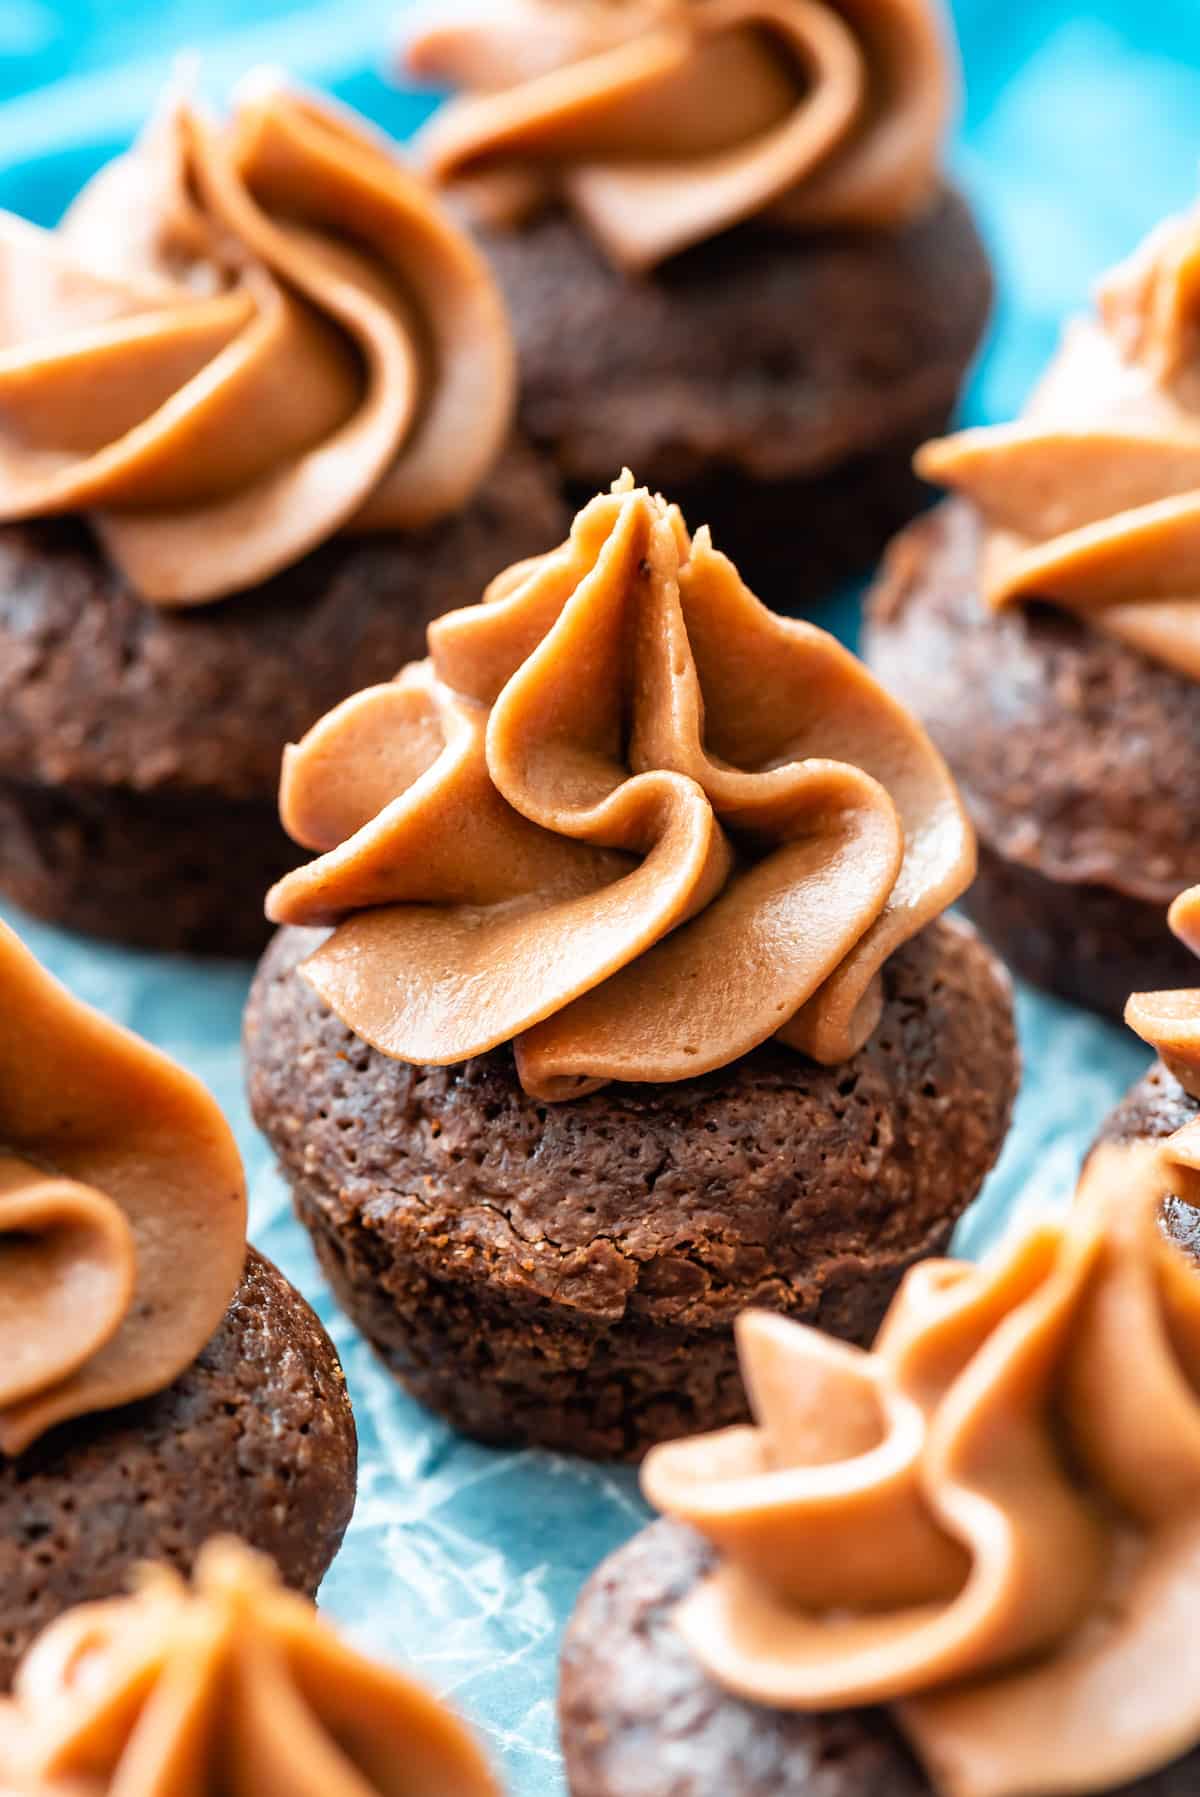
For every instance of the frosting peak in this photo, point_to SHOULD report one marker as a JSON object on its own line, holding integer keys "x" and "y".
{"x": 989, "y": 1521}
{"x": 235, "y": 1687}
{"x": 1092, "y": 500}
{"x": 122, "y": 1210}
{"x": 242, "y": 338}
{"x": 663, "y": 122}
{"x": 624, "y": 816}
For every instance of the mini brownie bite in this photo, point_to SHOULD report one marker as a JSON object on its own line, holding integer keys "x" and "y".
{"x": 729, "y": 252}
{"x": 232, "y": 1686}
{"x": 256, "y": 394}
{"x": 619, "y": 995}
{"x": 960, "y": 1565}
{"x": 157, "y": 1381}
{"x": 1045, "y": 626}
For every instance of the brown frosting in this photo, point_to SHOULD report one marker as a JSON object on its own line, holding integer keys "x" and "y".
{"x": 122, "y": 1209}
{"x": 237, "y": 1687}
{"x": 242, "y": 338}
{"x": 624, "y": 816}
{"x": 663, "y": 122}
{"x": 1093, "y": 498}
{"x": 1170, "y": 1021}
{"x": 990, "y": 1520}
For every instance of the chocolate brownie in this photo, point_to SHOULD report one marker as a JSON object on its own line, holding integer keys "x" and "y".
{"x": 639, "y": 1717}
{"x": 774, "y": 384}
{"x": 1078, "y": 758}
{"x": 1155, "y": 1107}
{"x": 569, "y": 1274}
{"x": 256, "y": 1439}
{"x": 140, "y": 747}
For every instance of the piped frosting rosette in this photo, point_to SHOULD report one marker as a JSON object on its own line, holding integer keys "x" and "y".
{"x": 624, "y": 817}
{"x": 122, "y": 1210}
{"x": 244, "y": 337}
{"x": 1170, "y": 1021}
{"x": 233, "y": 1687}
{"x": 1092, "y": 499}
{"x": 663, "y": 122}
{"x": 992, "y": 1520}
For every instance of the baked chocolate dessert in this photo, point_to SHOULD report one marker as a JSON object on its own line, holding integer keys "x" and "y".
{"x": 257, "y": 402}
{"x": 156, "y": 1381}
{"x": 1041, "y": 626}
{"x": 638, "y": 1005}
{"x": 235, "y": 1685}
{"x": 728, "y": 250}
{"x": 958, "y": 1566}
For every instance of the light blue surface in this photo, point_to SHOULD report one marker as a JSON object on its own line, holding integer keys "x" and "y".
{"x": 1081, "y": 129}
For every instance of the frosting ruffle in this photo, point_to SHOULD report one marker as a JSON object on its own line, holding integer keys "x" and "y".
{"x": 122, "y": 1210}
{"x": 235, "y": 1687}
{"x": 663, "y": 122}
{"x": 625, "y": 816}
{"x": 243, "y": 338}
{"x": 990, "y": 1520}
{"x": 1092, "y": 499}
{"x": 1170, "y": 1021}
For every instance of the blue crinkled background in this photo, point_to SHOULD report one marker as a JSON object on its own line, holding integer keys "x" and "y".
{"x": 1081, "y": 128}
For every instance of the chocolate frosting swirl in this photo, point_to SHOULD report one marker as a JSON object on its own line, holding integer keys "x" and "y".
{"x": 624, "y": 816}
{"x": 1092, "y": 499}
{"x": 663, "y": 122}
{"x": 122, "y": 1209}
{"x": 235, "y": 1687}
{"x": 242, "y": 338}
{"x": 990, "y": 1520}
{"x": 1170, "y": 1021}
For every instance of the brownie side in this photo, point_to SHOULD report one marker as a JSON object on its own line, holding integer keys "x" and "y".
{"x": 1085, "y": 943}
{"x": 256, "y": 1439}
{"x": 1078, "y": 757}
{"x": 639, "y": 1717}
{"x": 569, "y": 1274}
{"x": 776, "y": 355}
{"x": 181, "y": 872}
{"x": 99, "y": 690}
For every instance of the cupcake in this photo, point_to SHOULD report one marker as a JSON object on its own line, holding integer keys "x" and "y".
{"x": 255, "y": 404}
{"x": 1041, "y": 625}
{"x": 729, "y": 251}
{"x": 157, "y": 1381}
{"x": 619, "y": 994}
{"x": 960, "y": 1565}
{"x": 233, "y": 1685}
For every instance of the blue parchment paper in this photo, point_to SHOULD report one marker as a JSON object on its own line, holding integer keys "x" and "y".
{"x": 1080, "y": 129}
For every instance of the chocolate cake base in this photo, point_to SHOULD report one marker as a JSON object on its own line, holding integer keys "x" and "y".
{"x": 569, "y": 1274}
{"x": 256, "y": 1439}
{"x": 140, "y": 748}
{"x": 639, "y": 1717}
{"x": 1078, "y": 758}
{"x": 774, "y": 384}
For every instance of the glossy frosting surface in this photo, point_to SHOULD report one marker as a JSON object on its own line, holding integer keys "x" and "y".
{"x": 1093, "y": 498}
{"x": 624, "y": 816}
{"x": 122, "y": 1209}
{"x": 989, "y": 1521}
{"x": 663, "y": 122}
{"x": 244, "y": 336}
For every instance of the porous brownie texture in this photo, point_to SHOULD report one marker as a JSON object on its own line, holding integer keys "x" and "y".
{"x": 1078, "y": 758}
{"x": 639, "y": 1716}
{"x": 140, "y": 746}
{"x": 256, "y": 1439}
{"x": 773, "y": 383}
{"x": 569, "y": 1274}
